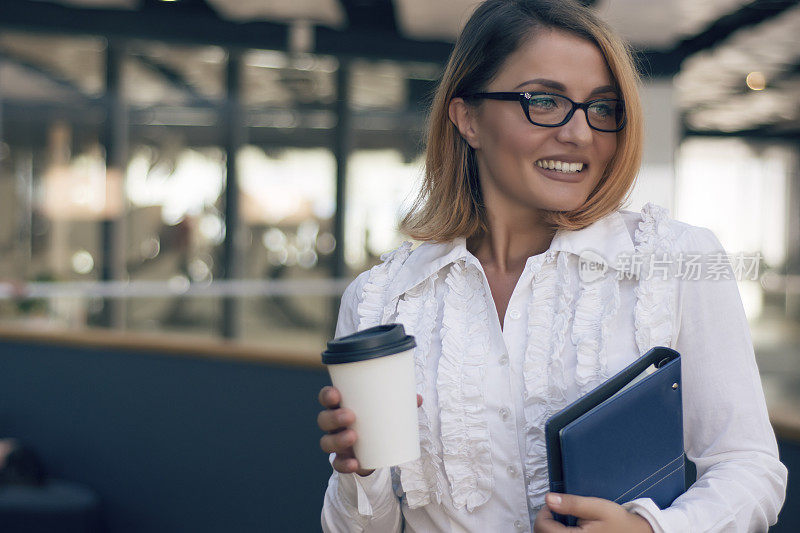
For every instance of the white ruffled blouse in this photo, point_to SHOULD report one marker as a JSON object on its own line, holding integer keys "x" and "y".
{"x": 489, "y": 390}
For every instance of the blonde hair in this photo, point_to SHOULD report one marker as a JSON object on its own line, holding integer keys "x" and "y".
{"x": 449, "y": 203}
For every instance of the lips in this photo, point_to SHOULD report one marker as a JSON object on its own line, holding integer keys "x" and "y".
{"x": 562, "y": 175}
{"x": 563, "y": 166}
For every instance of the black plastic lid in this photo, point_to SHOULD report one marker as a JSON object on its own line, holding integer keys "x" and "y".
{"x": 378, "y": 341}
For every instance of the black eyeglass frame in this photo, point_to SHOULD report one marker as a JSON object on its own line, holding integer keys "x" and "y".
{"x": 524, "y": 101}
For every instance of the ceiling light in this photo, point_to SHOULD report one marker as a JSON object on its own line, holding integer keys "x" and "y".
{"x": 756, "y": 81}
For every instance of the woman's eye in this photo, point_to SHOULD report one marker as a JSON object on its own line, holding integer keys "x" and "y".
{"x": 602, "y": 110}
{"x": 543, "y": 102}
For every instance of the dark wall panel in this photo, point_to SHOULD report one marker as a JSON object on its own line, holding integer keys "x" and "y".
{"x": 172, "y": 443}
{"x": 789, "y": 518}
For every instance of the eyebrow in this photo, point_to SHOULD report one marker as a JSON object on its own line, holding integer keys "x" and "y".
{"x": 560, "y": 86}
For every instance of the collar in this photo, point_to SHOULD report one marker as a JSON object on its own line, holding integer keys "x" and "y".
{"x": 608, "y": 237}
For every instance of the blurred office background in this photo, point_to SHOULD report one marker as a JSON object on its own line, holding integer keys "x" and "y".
{"x": 209, "y": 174}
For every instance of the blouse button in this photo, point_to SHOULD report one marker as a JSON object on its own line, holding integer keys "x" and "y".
{"x": 514, "y": 314}
{"x": 512, "y": 470}
{"x": 504, "y": 359}
{"x": 518, "y": 524}
{"x": 504, "y": 413}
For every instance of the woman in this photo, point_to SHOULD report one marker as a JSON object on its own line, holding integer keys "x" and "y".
{"x": 534, "y": 141}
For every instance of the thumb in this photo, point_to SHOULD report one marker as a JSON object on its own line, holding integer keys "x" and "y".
{"x": 419, "y": 400}
{"x": 578, "y": 506}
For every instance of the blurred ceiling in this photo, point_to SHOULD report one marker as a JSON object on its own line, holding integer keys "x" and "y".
{"x": 709, "y": 47}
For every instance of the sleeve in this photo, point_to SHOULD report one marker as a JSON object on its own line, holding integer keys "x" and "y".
{"x": 352, "y": 502}
{"x": 741, "y": 483}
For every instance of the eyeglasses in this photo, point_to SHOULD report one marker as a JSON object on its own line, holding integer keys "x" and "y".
{"x": 552, "y": 110}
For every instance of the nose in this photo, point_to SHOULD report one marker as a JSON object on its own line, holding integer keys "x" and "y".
{"x": 576, "y": 131}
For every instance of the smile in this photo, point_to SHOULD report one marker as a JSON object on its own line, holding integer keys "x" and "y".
{"x": 561, "y": 166}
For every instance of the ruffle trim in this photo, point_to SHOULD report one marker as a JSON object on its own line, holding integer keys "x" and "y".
{"x": 558, "y": 373}
{"x": 597, "y": 305}
{"x": 466, "y": 444}
{"x": 420, "y": 479}
{"x": 541, "y": 319}
{"x": 655, "y": 293}
{"x": 543, "y": 368}
{"x": 373, "y": 309}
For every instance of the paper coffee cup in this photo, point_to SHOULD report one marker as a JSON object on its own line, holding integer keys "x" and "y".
{"x": 374, "y": 371}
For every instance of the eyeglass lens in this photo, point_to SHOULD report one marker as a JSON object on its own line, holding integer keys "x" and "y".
{"x": 551, "y": 109}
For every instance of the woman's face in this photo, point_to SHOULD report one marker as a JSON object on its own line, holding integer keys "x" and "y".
{"x": 511, "y": 152}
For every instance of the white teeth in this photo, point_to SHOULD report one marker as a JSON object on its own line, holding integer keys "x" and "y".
{"x": 559, "y": 165}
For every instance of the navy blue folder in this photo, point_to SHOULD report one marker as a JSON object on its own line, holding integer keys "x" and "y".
{"x": 624, "y": 439}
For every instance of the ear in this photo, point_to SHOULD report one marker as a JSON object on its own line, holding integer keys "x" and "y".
{"x": 463, "y": 116}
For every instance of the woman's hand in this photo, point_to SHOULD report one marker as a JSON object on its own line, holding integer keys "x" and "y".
{"x": 336, "y": 421}
{"x": 595, "y": 515}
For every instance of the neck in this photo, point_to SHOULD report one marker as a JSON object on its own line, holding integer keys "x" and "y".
{"x": 510, "y": 240}
{"x": 515, "y": 230}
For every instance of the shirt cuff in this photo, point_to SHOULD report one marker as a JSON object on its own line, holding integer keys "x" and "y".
{"x": 661, "y": 520}
{"x": 362, "y": 491}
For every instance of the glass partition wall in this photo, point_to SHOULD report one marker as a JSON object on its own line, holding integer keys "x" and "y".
{"x": 121, "y": 207}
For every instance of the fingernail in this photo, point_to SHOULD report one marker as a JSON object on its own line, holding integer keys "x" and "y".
{"x": 553, "y": 499}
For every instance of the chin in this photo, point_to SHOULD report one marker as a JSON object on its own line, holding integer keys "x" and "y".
{"x": 554, "y": 196}
{"x": 563, "y": 204}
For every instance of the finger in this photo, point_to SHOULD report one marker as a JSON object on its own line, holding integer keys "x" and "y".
{"x": 346, "y": 454}
{"x": 332, "y": 420}
{"x": 584, "y": 507}
{"x": 326, "y": 420}
{"x": 544, "y": 514}
{"x": 345, "y": 465}
{"x": 545, "y": 523}
{"x": 327, "y": 444}
{"x": 337, "y": 442}
{"x": 329, "y": 397}
{"x": 419, "y": 400}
